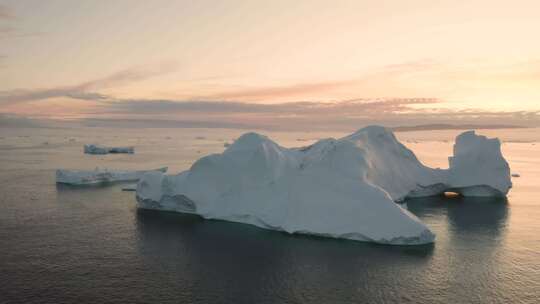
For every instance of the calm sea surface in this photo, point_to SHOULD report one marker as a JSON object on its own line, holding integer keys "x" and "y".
{"x": 92, "y": 245}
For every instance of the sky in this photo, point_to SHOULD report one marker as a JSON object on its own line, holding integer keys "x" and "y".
{"x": 271, "y": 63}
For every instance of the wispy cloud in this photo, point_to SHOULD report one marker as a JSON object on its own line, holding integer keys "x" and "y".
{"x": 15, "y": 121}
{"x": 85, "y": 90}
{"x": 347, "y": 107}
{"x": 315, "y": 121}
{"x": 266, "y": 93}
{"x": 126, "y": 76}
{"x": 243, "y": 108}
{"x": 339, "y": 115}
{"x": 342, "y": 115}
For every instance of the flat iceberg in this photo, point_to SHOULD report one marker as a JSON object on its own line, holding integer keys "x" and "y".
{"x": 130, "y": 187}
{"x": 98, "y": 149}
{"x": 342, "y": 188}
{"x": 100, "y": 176}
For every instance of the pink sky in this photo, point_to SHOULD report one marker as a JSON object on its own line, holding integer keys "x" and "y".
{"x": 66, "y": 59}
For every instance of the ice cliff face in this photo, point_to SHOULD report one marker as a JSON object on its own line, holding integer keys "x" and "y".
{"x": 392, "y": 166}
{"x": 342, "y": 188}
{"x": 478, "y": 167}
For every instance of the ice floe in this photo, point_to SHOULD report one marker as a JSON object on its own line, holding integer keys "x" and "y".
{"x": 100, "y": 176}
{"x": 98, "y": 149}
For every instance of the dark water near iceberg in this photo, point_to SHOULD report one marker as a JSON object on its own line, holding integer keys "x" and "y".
{"x": 91, "y": 245}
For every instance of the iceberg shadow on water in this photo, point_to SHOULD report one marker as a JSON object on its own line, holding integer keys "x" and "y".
{"x": 465, "y": 215}
{"x": 244, "y": 264}
{"x": 164, "y": 228}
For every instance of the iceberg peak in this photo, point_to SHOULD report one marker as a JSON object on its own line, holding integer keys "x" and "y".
{"x": 373, "y": 132}
{"x": 250, "y": 140}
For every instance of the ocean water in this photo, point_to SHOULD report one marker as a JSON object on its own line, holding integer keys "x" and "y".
{"x": 63, "y": 244}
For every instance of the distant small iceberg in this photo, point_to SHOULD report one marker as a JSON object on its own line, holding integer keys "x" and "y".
{"x": 130, "y": 187}
{"x": 98, "y": 149}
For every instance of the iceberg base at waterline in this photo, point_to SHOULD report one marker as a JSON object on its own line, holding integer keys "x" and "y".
{"x": 341, "y": 188}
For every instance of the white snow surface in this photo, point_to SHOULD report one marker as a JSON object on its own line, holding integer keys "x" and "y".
{"x": 98, "y": 149}
{"x": 100, "y": 176}
{"x": 478, "y": 167}
{"x": 343, "y": 188}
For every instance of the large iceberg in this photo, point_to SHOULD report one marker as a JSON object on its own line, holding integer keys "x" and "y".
{"x": 343, "y": 188}
{"x": 100, "y": 176}
{"x": 98, "y": 149}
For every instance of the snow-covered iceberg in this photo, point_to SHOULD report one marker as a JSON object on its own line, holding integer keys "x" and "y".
{"x": 343, "y": 188}
{"x": 100, "y": 176}
{"x": 478, "y": 167}
{"x": 98, "y": 149}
